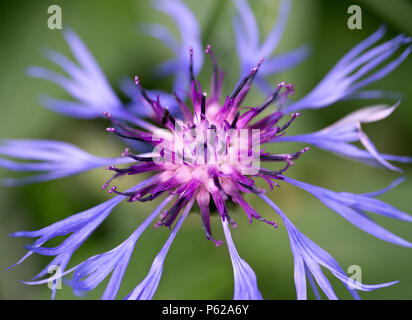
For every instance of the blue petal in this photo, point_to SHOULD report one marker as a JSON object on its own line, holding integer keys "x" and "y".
{"x": 190, "y": 37}
{"x": 362, "y": 46}
{"x": 95, "y": 269}
{"x": 314, "y": 256}
{"x": 284, "y": 61}
{"x": 247, "y": 26}
{"x": 344, "y": 80}
{"x": 299, "y": 272}
{"x": 81, "y": 225}
{"x": 391, "y": 186}
{"x": 57, "y": 265}
{"x": 69, "y": 108}
{"x": 276, "y": 33}
{"x": 54, "y": 159}
{"x": 350, "y": 206}
{"x": 337, "y": 138}
{"x": 363, "y": 223}
{"x": 312, "y": 284}
{"x": 147, "y": 288}
{"x": 86, "y": 83}
{"x": 250, "y": 51}
{"x": 375, "y": 94}
{"x": 245, "y": 279}
{"x": 163, "y": 34}
{"x": 279, "y": 63}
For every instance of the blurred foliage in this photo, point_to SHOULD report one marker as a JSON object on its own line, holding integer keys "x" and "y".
{"x": 194, "y": 268}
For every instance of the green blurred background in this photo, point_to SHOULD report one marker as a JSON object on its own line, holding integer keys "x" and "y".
{"x": 194, "y": 268}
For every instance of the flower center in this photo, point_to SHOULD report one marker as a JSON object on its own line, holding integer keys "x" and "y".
{"x": 213, "y": 151}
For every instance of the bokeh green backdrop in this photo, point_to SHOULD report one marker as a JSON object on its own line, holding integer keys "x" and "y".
{"x": 194, "y": 268}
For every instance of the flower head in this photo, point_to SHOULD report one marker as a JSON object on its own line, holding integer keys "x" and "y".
{"x": 211, "y": 153}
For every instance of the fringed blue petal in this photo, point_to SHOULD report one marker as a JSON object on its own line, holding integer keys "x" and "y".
{"x": 246, "y": 287}
{"x": 347, "y": 77}
{"x": 86, "y": 83}
{"x": 80, "y": 225}
{"x": 147, "y": 288}
{"x": 247, "y": 28}
{"x": 190, "y": 37}
{"x": 284, "y": 61}
{"x": 351, "y": 206}
{"x": 95, "y": 269}
{"x": 272, "y": 40}
{"x": 52, "y": 159}
{"x": 312, "y": 284}
{"x": 250, "y": 51}
{"x": 338, "y": 137}
{"x": 313, "y": 258}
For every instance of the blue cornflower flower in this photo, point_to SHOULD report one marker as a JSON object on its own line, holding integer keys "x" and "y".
{"x": 202, "y": 156}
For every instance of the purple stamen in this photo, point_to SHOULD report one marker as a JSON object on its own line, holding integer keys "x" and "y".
{"x": 272, "y": 97}
{"x": 215, "y": 67}
{"x": 142, "y": 91}
{"x": 293, "y": 117}
{"x": 235, "y": 120}
{"x": 192, "y": 75}
{"x": 237, "y": 90}
{"x": 203, "y": 105}
{"x": 167, "y": 116}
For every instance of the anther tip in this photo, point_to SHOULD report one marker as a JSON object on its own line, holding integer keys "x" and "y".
{"x": 218, "y": 243}
{"x": 125, "y": 153}
{"x": 137, "y": 81}
{"x": 112, "y": 130}
{"x": 208, "y": 47}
